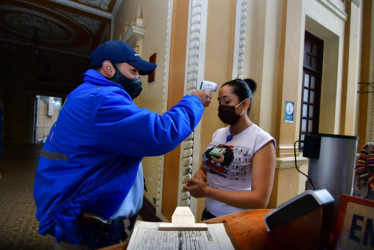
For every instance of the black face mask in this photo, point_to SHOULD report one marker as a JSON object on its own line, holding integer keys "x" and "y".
{"x": 132, "y": 87}
{"x": 227, "y": 114}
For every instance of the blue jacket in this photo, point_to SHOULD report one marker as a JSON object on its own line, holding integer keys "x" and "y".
{"x": 92, "y": 153}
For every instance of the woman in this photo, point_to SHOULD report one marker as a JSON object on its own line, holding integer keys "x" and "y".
{"x": 237, "y": 170}
{"x": 364, "y": 180}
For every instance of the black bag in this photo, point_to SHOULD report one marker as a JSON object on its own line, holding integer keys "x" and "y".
{"x": 100, "y": 232}
{"x": 107, "y": 235}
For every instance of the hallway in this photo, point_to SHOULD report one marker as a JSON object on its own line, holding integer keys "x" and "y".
{"x": 18, "y": 225}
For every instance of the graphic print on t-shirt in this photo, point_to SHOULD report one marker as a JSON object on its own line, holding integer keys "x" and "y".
{"x": 233, "y": 164}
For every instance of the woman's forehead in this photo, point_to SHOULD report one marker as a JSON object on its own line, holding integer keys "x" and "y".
{"x": 226, "y": 91}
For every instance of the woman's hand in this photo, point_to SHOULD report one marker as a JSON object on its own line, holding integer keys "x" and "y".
{"x": 372, "y": 187}
{"x": 196, "y": 187}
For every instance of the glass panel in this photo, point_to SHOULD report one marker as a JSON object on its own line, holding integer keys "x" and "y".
{"x": 305, "y": 110}
{"x": 314, "y": 49}
{"x": 307, "y": 60}
{"x": 314, "y": 63}
{"x": 310, "y": 111}
{"x": 307, "y": 45}
{"x": 305, "y": 98}
{"x": 311, "y": 98}
{"x": 306, "y": 80}
{"x": 310, "y": 126}
{"x": 302, "y": 137}
{"x": 313, "y": 82}
{"x": 303, "y": 125}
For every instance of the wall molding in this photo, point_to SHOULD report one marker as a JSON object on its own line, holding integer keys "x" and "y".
{"x": 239, "y": 41}
{"x": 337, "y": 10}
{"x": 194, "y": 73}
{"x": 165, "y": 85}
{"x": 289, "y": 162}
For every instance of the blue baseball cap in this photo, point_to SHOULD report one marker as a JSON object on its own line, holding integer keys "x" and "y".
{"x": 118, "y": 52}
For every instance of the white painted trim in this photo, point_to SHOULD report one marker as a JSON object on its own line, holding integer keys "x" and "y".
{"x": 115, "y": 10}
{"x": 194, "y": 73}
{"x": 195, "y": 43}
{"x": 116, "y": 7}
{"x": 165, "y": 87}
{"x": 133, "y": 34}
{"x": 239, "y": 39}
{"x": 334, "y": 9}
{"x": 289, "y": 162}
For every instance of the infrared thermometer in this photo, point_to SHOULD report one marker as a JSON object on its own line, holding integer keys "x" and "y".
{"x": 207, "y": 85}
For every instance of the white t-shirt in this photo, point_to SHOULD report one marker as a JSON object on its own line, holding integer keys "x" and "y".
{"x": 235, "y": 171}
{"x": 134, "y": 199}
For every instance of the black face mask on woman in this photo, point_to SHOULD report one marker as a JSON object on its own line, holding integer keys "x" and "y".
{"x": 132, "y": 87}
{"x": 227, "y": 114}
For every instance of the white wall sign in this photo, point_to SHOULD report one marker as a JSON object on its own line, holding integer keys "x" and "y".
{"x": 289, "y": 112}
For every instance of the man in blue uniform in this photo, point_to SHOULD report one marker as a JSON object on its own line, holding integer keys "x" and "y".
{"x": 91, "y": 161}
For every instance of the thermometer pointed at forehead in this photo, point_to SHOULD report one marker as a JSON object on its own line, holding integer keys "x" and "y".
{"x": 207, "y": 85}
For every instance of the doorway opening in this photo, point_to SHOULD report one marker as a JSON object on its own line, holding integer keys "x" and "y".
{"x": 46, "y": 111}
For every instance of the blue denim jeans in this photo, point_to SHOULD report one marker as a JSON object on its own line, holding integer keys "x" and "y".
{"x": 207, "y": 215}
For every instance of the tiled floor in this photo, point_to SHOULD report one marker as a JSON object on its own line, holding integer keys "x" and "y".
{"x": 18, "y": 226}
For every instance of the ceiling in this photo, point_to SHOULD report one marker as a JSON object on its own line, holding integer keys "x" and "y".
{"x": 54, "y": 33}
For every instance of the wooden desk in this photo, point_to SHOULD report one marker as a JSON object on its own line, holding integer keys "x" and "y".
{"x": 248, "y": 230}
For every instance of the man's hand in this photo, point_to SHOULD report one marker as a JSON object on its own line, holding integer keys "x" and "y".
{"x": 204, "y": 96}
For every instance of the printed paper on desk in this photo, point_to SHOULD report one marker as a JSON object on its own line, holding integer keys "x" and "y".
{"x": 146, "y": 235}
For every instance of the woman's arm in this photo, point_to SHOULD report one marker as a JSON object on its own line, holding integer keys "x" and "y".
{"x": 372, "y": 187}
{"x": 199, "y": 175}
{"x": 263, "y": 169}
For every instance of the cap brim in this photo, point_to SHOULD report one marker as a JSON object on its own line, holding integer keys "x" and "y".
{"x": 145, "y": 68}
